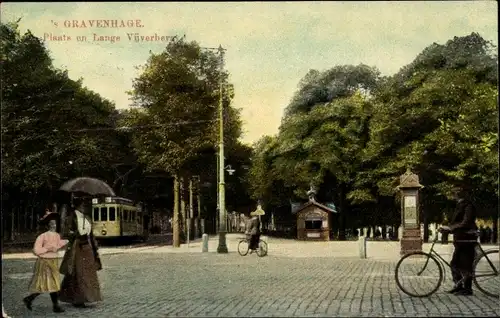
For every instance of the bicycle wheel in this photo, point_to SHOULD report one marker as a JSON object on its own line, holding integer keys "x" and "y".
{"x": 486, "y": 274}
{"x": 262, "y": 249}
{"x": 243, "y": 247}
{"x": 418, "y": 274}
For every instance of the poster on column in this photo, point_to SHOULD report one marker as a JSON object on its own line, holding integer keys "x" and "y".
{"x": 410, "y": 210}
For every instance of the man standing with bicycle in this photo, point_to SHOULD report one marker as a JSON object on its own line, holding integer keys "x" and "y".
{"x": 464, "y": 230}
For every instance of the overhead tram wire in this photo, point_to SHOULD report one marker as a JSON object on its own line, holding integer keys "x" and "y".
{"x": 122, "y": 128}
{"x": 145, "y": 126}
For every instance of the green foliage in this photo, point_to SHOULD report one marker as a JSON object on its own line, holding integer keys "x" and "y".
{"x": 261, "y": 176}
{"x": 441, "y": 121}
{"x": 178, "y": 94}
{"x": 322, "y": 87}
{"x": 42, "y": 113}
{"x": 326, "y": 139}
{"x": 350, "y": 130}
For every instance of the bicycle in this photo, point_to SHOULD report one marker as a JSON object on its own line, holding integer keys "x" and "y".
{"x": 422, "y": 260}
{"x": 244, "y": 247}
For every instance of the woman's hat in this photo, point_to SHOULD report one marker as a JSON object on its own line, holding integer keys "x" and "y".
{"x": 49, "y": 216}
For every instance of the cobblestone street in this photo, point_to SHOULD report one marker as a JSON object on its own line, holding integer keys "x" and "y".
{"x": 155, "y": 283}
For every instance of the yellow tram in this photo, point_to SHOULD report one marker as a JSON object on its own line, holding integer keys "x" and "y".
{"x": 116, "y": 217}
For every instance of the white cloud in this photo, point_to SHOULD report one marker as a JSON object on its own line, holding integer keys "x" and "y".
{"x": 270, "y": 45}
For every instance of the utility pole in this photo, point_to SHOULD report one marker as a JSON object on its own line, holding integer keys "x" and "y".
{"x": 183, "y": 208}
{"x": 175, "y": 221}
{"x": 190, "y": 212}
{"x": 222, "y": 248}
{"x": 218, "y": 192}
{"x": 200, "y": 218}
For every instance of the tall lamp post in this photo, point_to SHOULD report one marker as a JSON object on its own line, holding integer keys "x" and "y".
{"x": 222, "y": 248}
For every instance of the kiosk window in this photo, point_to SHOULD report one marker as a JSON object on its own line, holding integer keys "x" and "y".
{"x": 313, "y": 224}
{"x": 96, "y": 214}
{"x": 104, "y": 214}
{"x": 112, "y": 214}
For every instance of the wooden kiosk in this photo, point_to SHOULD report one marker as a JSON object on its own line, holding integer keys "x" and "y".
{"x": 313, "y": 220}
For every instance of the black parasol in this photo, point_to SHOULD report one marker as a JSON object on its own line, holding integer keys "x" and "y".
{"x": 90, "y": 186}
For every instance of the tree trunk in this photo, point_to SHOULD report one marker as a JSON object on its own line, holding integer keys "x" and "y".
{"x": 32, "y": 227}
{"x": 425, "y": 217}
{"x": 190, "y": 208}
{"x": 426, "y": 229}
{"x": 12, "y": 224}
{"x": 496, "y": 231}
{"x": 175, "y": 221}
{"x": 18, "y": 220}
{"x": 183, "y": 209}
{"x": 199, "y": 217}
{"x": 343, "y": 214}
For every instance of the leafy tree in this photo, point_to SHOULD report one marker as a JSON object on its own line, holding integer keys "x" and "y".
{"x": 350, "y": 130}
{"x": 261, "y": 176}
{"x": 323, "y": 130}
{"x": 322, "y": 147}
{"x": 47, "y": 119}
{"x": 437, "y": 115}
{"x": 177, "y": 95}
{"x": 323, "y": 87}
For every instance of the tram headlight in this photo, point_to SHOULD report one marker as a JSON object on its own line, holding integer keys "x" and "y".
{"x": 104, "y": 232}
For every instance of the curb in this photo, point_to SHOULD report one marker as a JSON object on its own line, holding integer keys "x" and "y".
{"x": 105, "y": 251}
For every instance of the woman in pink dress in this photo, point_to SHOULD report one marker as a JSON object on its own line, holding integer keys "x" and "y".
{"x": 46, "y": 277}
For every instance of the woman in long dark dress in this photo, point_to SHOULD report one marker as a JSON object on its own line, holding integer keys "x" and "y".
{"x": 81, "y": 262}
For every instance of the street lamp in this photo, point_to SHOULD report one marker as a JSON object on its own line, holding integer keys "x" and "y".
{"x": 222, "y": 248}
{"x": 229, "y": 170}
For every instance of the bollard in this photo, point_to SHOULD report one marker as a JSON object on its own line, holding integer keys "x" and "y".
{"x": 362, "y": 246}
{"x": 400, "y": 232}
{"x": 204, "y": 247}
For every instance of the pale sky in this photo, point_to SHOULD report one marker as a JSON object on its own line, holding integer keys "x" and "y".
{"x": 270, "y": 45}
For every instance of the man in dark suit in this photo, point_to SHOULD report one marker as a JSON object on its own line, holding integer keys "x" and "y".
{"x": 254, "y": 232}
{"x": 464, "y": 230}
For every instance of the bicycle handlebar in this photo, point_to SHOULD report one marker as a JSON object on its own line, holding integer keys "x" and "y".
{"x": 476, "y": 232}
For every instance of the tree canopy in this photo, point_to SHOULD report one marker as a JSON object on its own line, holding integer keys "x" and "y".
{"x": 177, "y": 96}
{"x": 47, "y": 118}
{"x": 353, "y": 133}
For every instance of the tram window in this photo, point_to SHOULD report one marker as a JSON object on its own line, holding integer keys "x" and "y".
{"x": 132, "y": 216}
{"x": 104, "y": 214}
{"x": 112, "y": 214}
{"x": 96, "y": 214}
{"x": 125, "y": 215}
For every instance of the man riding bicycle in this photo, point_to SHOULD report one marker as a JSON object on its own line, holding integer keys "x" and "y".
{"x": 464, "y": 230}
{"x": 253, "y": 230}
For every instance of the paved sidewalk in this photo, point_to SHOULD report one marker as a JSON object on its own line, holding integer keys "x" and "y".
{"x": 376, "y": 250}
{"x": 199, "y": 284}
